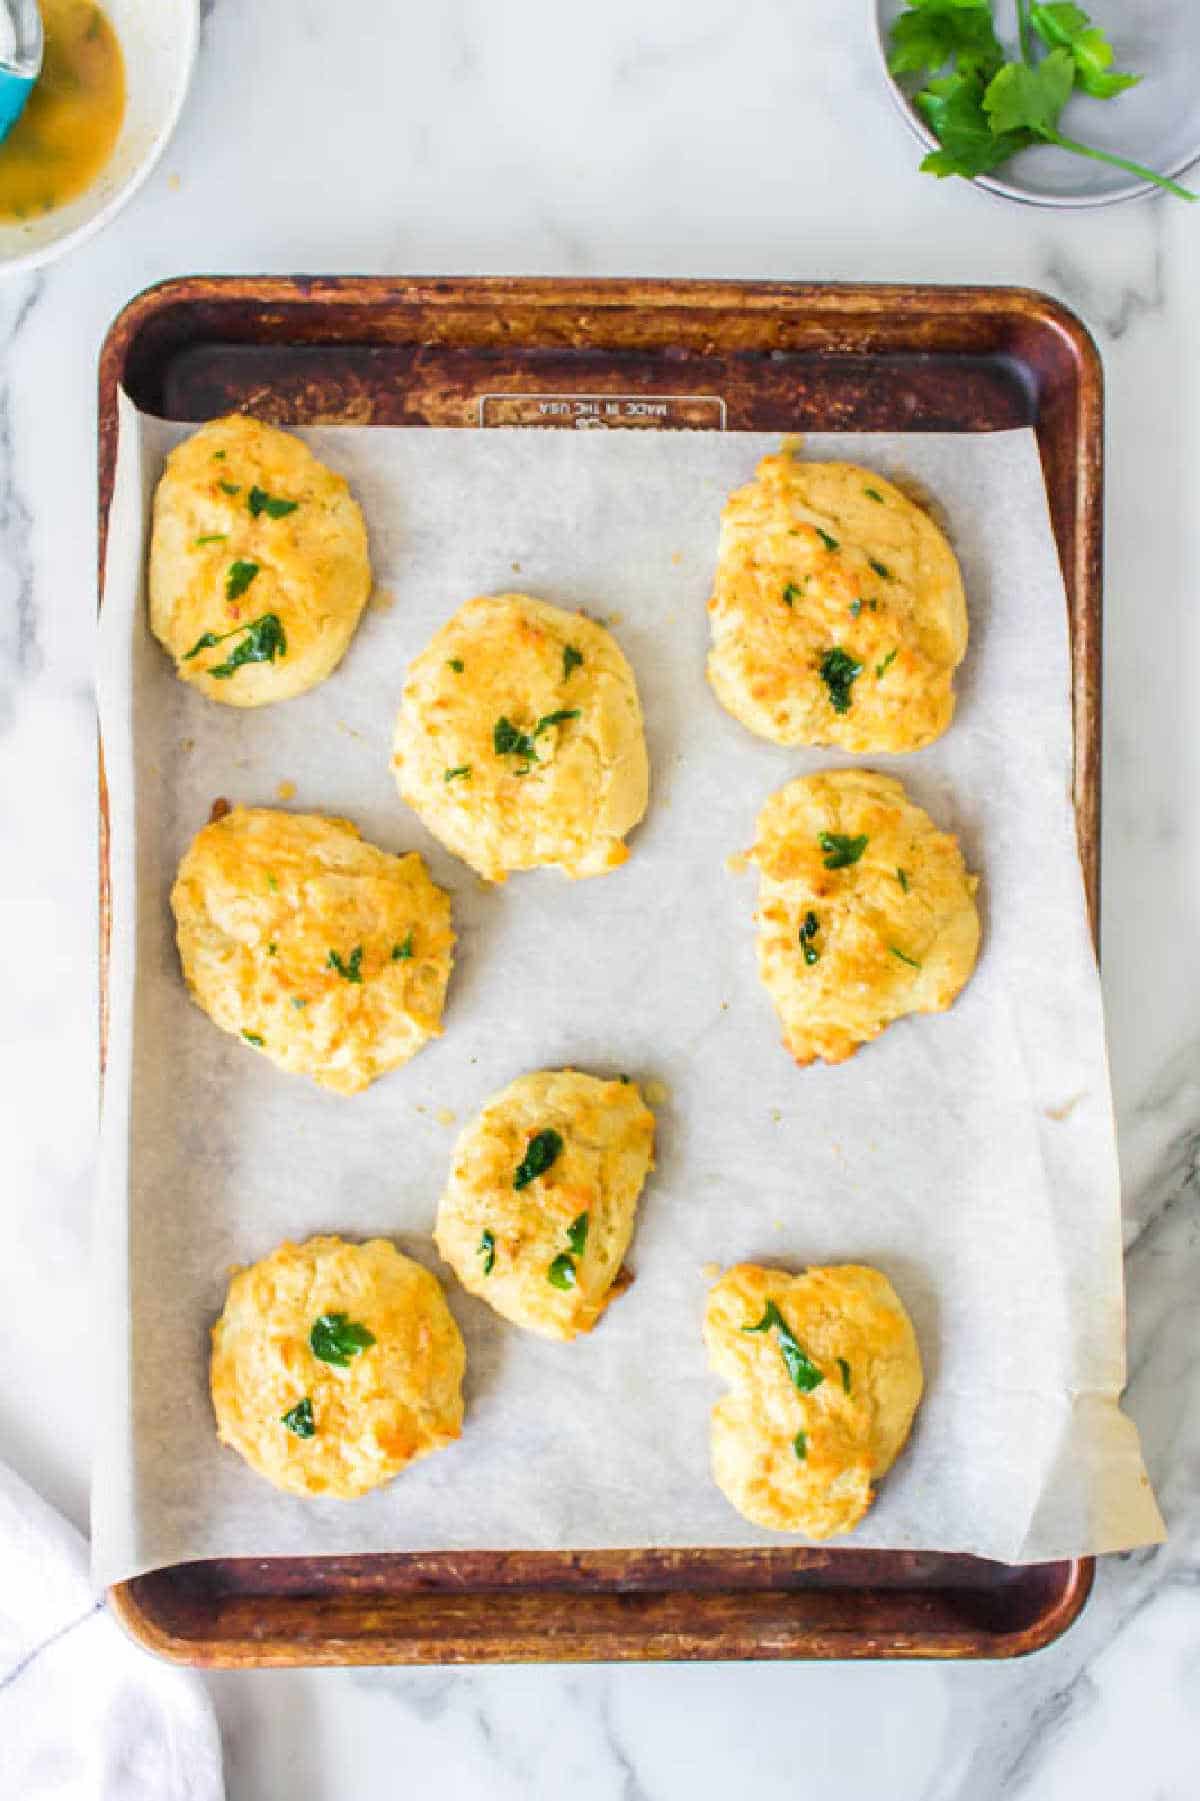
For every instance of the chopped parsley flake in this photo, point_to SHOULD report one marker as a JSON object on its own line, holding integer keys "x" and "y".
{"x": 336, "y": 1338}
{"x": 211, "y": 538}
{"x": 792, "y": 593}
{"x": 238, "y": 579}
{"x": 881, "y": 669}
{"x": 457, "y": 664}
{"x": 350, "y": 971}
{"x": 840, "y": 850}
{"x": 839, "y": 672}
{"x": 810, "y": 926}
{"x": 845, "y": 1369}
{"x": 827, "y": 541}
{"x": 873, "y": 494}
{"x": 259, "y": 501}
{"x": 902, "y": 878}
{"x": 800, "y": 1446}
{"x": 254, "y": 1038}
{"x": 543, "y": 1149}
{"x": 487, "y": 1250}
{"x": 800, "y": 1367}
{"x": 911, "y": 961}
{"x": 402, "y": 952}
{"x": 263, "y": 640}
{"x": 559, "y": 718}
{"x": 299, "y": 1419}
{"x": 561, "y": 1273}
{"x": 508, "y": 741}
{"x": 856, "y": 607}
{"x": 881, "y": 569}
{"x": 462, "y": 773}
{"x": 577, "y": 1233}
{"x": 230, "y": 488}
{"x": 572, "y": 659}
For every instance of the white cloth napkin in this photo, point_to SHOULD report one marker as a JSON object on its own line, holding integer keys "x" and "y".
{"x": 85, "y": 1714}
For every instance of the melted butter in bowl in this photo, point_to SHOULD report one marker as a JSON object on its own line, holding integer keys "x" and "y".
{"x": 66, "y": 134}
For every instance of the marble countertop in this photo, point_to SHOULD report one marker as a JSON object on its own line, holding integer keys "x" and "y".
{"x": 722, "y": 139}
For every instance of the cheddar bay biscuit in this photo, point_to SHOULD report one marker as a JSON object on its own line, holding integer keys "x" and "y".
{"x": 866, "y": 911}
{"x": 519, "y": 740}
{"x": 837, "y": 614}
{"x": 334, "y": 1365}
{"x": 825, "y": 1377}
{"x": 258, "y": 563}
{"x": 543, "y": 1189}
{"x": 322, "y": 952}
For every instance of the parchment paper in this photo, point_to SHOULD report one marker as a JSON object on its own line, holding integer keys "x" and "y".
{"x": 970, "y": 1155}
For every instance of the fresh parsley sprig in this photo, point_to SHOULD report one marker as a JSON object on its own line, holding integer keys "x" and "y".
{"x": 982, "y": 106}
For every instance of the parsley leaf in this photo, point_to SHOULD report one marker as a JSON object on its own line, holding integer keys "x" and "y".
{"x": 577, "y": 1233}
{"x": 792, "y": 593}
{"x": 881, "y": 569}
{"x": 254, "y": 1038}
{"x": 487, "y": 1250}
{"x": 349, "y": 971}
{"x": 810, "y": 925}
{"x": 455, "y": 663}
{"x": 239, "y": 577}
{"x": 845, "y": 1369}
{"x": 839, "y": 672}
{"x": 402, "y": 952}
{"x": 902, "y": 878}
{"x": 462, "y": 773}
{"x": 925, "y": 39}
{"x": 259, "y": 501}
{"x": 953, "y": 108}
{"x": 827, "y": 541}
{"x": 561, "y": 1273}
{"x": 230, "y": 488}
{"x": 841, "y": 851}
{"x": 299, "y": 1419}
{"x": 572, "y": 659}
{"x": 1069, "y": 28}
{"x": 336, "y": 1338}
{"x": 543, "y": 1149}
{"x": 873, "y": 494}
{"x": 1025, "y": 98}
{"x": 800, "y": 1446}
{"x": 800, "y": 1367}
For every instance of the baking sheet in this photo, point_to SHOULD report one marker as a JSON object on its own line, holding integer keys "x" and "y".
{"x": 970, "y": 1156}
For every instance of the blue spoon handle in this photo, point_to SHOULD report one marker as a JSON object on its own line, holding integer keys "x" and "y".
{"x": 14, "y": 92}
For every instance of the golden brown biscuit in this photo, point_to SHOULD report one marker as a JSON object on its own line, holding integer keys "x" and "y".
{"x": 866, "y": 911}
{"x": 837, "y": 614}
{"x": 326, "y": 954}
{"x": 540, "y": 1205}
{"x": 258, "y": 563}
{"x": 334, "y": 1365}
{"x": 825, "y": 1376}
{"x": 519, "y": 740}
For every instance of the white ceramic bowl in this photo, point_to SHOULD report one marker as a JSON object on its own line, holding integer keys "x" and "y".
{"x": 1156, "y": 123}
{"x": 158, "y": 40}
